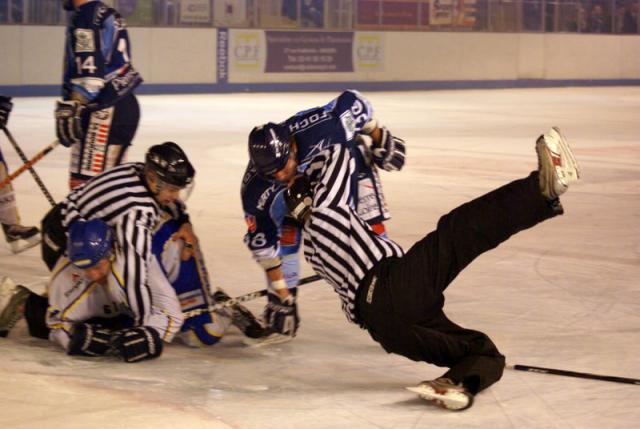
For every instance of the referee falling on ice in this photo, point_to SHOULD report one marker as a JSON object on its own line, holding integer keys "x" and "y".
{"x": 397, "y": 297}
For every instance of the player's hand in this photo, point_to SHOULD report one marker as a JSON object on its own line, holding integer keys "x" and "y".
{"x": 186, "y": 234}
{"x": 69, "y": 116}
{"x": 5, "y": 108}
{"x": 281, "y": 314}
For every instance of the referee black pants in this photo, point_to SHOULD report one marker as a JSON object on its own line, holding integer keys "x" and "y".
{"x": 400, "y": 300}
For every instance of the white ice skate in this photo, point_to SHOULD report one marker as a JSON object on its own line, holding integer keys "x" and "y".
{"x": 21, "y": 238}
{"x": 12, "y": 301}
{"x": 444, "y": 393}
{"x": 556, "y": 164}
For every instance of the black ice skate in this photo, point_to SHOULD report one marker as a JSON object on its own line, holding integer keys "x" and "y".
{"x": 444, "y": 393}
{"x": 241, "y": 317}
{"x": 21, "y": 238}
{"x": 12, "y": 301}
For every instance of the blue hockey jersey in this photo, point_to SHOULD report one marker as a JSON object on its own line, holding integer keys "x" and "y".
{"x": 338, "y": 122}
{"x": 97, "y": 60}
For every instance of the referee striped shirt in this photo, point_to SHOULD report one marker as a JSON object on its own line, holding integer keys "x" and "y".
{"x": 338, "y": 244}
{"x": 120, "y": 197}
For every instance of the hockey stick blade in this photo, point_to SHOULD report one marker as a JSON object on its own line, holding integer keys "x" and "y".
{"x": 243, "y": 298}
{"x": 574, "y": 374}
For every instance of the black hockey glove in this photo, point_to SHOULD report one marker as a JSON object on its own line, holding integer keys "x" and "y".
{"x": 299, "y": 197}
{"x": 281, "y": 314}
{"x": 69, "y": 116}
{"x": 5, "y": 108}
{"x": 89, "y": 340}
{"x": 389, "y": 152}
{"x": 138, "y": 344}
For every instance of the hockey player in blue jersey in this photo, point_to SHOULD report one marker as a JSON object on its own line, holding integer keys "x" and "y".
{"x": 98, "y": 115}
{"x": 278, "y": 152}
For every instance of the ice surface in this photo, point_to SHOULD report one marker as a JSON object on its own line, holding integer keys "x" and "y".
{"x": 565, "y": 294}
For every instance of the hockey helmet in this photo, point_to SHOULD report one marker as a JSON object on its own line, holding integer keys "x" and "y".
{"x": 171, "y": 164}
{"x": 89, "y": 242}
{"x": 269, "y": 148}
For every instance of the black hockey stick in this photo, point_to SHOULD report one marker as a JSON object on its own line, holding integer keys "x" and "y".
{"x": 574, "y": 374}
{"x": 29, "y": 165}
{"x": 243, "y": 298}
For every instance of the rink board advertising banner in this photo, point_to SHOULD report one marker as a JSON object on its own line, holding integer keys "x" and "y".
{"x": 222, "y": 63}
{"x": 308, "y": 52}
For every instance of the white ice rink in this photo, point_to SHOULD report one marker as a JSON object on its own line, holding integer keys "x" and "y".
{"x": 565, "y": 294}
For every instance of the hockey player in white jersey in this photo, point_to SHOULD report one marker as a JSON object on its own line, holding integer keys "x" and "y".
{"x": 18, "y": 237}
{"x": 89, "y": 311}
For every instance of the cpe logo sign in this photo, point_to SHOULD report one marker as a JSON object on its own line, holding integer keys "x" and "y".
{"x": 369, "y": 51}
{"x": 246, "y": 50}
{"x": 195, "y": 11}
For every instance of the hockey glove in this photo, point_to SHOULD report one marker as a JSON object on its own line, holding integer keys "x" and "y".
{"x": 299, "y": 197}
{"x": 69, "y": 116}
{"x": 138, "y": 344}
{"x": 89, "y": 340}
{"x": 5, "y": 108}
{"x": 281, "y": 314}
{"x": 389, "y": 152}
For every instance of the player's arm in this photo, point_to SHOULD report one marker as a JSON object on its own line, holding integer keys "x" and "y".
{"x": 356, "y": 117}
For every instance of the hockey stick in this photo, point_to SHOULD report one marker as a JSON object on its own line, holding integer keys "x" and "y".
{"x": 28, "y": 165}
{"x": 574, "y": 374}
{"x": 243, "y": 298}
{"x": 24, "y": 159}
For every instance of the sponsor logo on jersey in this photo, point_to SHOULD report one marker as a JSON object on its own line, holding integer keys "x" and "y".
{"x": 84, "y": 40}
{"x": 252, "y": 225}
{"x": 262, "y": 201}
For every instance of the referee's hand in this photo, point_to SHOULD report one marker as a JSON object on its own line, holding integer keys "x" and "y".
{"x": 186, "y": 234}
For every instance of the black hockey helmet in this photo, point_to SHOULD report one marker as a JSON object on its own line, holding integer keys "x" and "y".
{"x": 170, "y": 163}
{"x": 269, "y": 148}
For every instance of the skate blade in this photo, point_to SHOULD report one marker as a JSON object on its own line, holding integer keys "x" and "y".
{"x": 21, "y": 245}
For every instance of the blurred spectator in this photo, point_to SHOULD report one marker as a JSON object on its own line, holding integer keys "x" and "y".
{"x": 630, "y": 18}
{"x": 580, "y": 23}
{"x": 11, "y": 11}
{"x": 532, "y": 15}
{"x": 598, "y": 22}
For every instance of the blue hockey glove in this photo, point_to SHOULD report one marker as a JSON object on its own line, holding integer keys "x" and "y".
{"x": 5, "y": 108}
{"x": 69, "y": 116}
{"x": 281, "y": 314}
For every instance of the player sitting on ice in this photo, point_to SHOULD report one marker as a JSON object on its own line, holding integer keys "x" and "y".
{"x": 280, "y": 151}
{"x": 19, "y": 237}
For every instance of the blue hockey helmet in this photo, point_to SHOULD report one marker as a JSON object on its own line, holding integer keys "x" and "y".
{"x": 269, "y": 148}
{"x": 170, "y": 163}
{"x": 89, "y": 242}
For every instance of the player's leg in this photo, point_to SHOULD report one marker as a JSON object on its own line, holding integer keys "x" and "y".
{"x": 17, "y": 302}
{"x": 18, "y": 236}
{"x": 109, "y": 133}
{"x": 484, "y": 223}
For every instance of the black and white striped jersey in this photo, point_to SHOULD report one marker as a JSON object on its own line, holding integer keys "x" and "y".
{"x": 338, "y": 244}
{"x": 120, "y": 197}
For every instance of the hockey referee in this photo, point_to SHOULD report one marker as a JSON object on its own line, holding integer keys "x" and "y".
{"x": 397, "y": 297}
